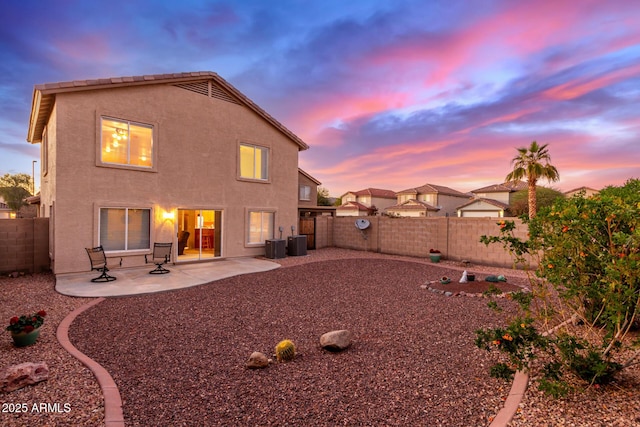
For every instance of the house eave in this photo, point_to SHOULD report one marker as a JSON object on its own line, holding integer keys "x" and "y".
{"x": 44, "y": 97}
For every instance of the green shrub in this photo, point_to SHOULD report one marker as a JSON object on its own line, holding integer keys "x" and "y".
{"x": 588, "y": 250}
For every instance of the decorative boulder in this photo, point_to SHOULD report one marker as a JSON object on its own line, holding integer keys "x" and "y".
{"x": 336, "y": 340}
{"x": 257, "y": 360}
{"x": 18, "y": 376}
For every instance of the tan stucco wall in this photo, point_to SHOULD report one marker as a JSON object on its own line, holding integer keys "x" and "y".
{"x": 196, "y": 141}
{"x": 313, "y": 198}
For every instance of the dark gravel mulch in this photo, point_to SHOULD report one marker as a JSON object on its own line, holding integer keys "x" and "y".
{"x": 178, "y": 357}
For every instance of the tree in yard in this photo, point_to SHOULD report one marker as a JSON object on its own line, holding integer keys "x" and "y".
{"x": 14, "y": 189}
{"x": 519, "y": 203}
{"x": 533, "y": 164}
{"x": 323, "y": 197}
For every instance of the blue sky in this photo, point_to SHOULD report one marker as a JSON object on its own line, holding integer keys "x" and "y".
{"x": 388, "y": 94}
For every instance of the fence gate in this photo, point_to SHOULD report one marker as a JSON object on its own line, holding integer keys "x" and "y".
{"x": 308, "y": 228}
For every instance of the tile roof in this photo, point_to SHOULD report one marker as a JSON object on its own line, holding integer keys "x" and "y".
{"x": 504, "y": 187}
{"x": 493, "y": 202}
{"x": 44, "y": 97}
{"x": 413, "y": 204}
{"x": 374, "y": 192}
{"x": 432, "y": 188}
{"x": 353, "y": 205}
{"x": 586, "y": 189}
{"x": 309, "y": 176}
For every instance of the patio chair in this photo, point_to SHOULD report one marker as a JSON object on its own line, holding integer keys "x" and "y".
{"x": 161, "y": 255}
{"x": 99, "y": 262}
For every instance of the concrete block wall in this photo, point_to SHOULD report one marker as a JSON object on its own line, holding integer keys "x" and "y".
{"x": 324, "y": 231}
{"x": 24, "y": 245}
{"x": 456, "y": 238}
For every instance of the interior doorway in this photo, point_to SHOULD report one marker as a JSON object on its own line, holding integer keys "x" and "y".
{"x": 199, "y": 234}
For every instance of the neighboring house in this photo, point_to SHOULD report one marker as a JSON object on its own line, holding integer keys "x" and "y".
{"x": 427, "y": 200}
{"x": 491, "y": 201}
{"x": 587, "y": 192}
{"x": 369, "y": 201}
{"x": 27, "y": 211}
{"x": 5, "y": 212}
{"x": 308, "y": 197}
{"x": 183, "y": 158}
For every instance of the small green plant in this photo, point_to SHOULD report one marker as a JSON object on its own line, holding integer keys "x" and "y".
{"x": 502, "y": 371}
{"x": 494, "y": 306}
{"x": 554, "y": 388}
{"x": 492, "y": 290}
{"x": 285, "y": 351}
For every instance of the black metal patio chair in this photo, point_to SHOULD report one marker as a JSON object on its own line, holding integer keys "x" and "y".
{"x": 161, "y": 255}
{"x": 99, "y": 263}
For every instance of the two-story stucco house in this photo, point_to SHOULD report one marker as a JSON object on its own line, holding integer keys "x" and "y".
{"x": 491, "y": 201}
{"x": 369, "y": 201}
{"x": 427, "y": 200}
{"x": 183, "y": 158}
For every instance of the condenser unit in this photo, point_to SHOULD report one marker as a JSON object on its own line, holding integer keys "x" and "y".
{"x": 297, "y": 245}
{"x": 275, "y": 248}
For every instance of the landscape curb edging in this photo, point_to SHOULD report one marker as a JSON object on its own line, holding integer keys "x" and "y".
{"x": 113, "y": 415}
{"x": 505, "y": 415}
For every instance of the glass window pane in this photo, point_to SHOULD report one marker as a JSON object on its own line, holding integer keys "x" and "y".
{"x": 260, "y": 226}
{"x": 114, "y": 141}
{"x": 141, "y": 144}
{"x": 267, "y": 226}
{"x": 138, "y": 231}
{"x": 126, "y": 143}
{"x": 255, "y": 227}
{"x": 254, "y": 162}
{"x": 261, "y": 163}
{"x": 112, "y": 229}
{"x": 246, "y": 161}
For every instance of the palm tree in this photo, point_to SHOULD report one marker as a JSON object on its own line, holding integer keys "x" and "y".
{"x": 532, "y": 163}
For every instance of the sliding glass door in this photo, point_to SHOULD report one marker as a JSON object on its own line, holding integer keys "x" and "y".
{"x": 199, "y": 234}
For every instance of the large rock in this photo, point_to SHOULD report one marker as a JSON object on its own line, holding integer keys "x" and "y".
{"x": 18, "y": 376}
{"x": 336, "y": 340}
{"x": 257, "y": 360}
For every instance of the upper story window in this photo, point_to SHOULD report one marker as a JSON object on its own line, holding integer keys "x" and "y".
{"x": 305, "y": 192}
{"x": 254, "y": 162}
{"x": 126, "y": 143}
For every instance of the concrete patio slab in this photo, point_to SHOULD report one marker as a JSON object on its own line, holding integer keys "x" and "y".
{"x": 134, "y": 281}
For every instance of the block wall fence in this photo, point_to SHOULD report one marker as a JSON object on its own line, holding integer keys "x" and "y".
{"x": 24, "y": 245}
{"x": 457, "y": 238}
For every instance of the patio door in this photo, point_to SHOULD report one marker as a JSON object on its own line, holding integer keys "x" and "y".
{"x": 199, "y": 234}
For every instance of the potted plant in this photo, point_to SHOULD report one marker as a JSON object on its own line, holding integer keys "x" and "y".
{"x": 26, "y": 328}
{"x": 434, "y": 255}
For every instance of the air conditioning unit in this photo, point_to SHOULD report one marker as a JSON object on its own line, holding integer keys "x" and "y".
{"x": 275, "y": 248}
{"x": 297, "y": 245}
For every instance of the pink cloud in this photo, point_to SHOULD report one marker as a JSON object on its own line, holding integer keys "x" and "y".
{"x": 583, "y": 85}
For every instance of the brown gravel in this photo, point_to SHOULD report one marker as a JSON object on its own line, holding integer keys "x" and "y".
{"x": 178, "y": 357}
{"x": 69, "y": 381}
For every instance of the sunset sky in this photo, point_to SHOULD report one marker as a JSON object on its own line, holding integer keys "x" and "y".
{"x": 388, "y": 94}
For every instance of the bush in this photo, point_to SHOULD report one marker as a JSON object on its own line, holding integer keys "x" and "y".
{"x": 588, "y": 249}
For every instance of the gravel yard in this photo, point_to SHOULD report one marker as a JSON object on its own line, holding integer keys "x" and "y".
{"x": 178, "y": 357}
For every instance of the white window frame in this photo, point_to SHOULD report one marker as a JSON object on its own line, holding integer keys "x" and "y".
{"x": 126, "y": 227}
{"x": 266, "y": 153}
{"x": 128, "y": 165}
{"x": 263, "y": 236}
{"x": 305, "y": 192}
